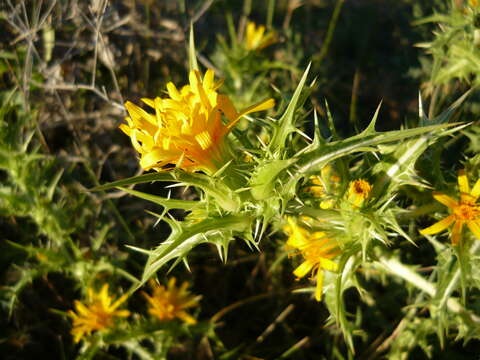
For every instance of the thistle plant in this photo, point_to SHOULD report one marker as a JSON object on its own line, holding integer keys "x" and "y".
{"x": 371, "y": 241}
{"x": 264, "y": 185}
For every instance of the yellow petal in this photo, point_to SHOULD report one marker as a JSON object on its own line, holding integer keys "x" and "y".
{"x": 303, "y": 269}
{"x": 125, "y": 128}
{"x": 328, "y": 264}
{"x": 149, "y": 102}
{"x": 319, "y": 286}
{"x": 173, "y": 92}
{"x": 476, "y": 190}
{"x": 474, "y": 227}
{"x": 204, "y": 140}
{"x": 81, "y": 308}
{"x": 438, "y": 226}
{"x": 186, "y": 317}
{"x": 260, "y": 106}
{"x": 463, "y": 182}
{"x": 445, "y": 200}
{"x": 122, "y": 313}
{"x": 119, "y": 301}
{"x": 226, "y": 106}
{"x": 153, "y": 158}
{"x": 457, "y": 232}
{"x": 208, "y": 79}
{"x": 138, "y": 114}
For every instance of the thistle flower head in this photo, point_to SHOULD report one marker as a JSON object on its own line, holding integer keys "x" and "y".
{"x": 256, "y": 39}
{"x": 186, "y": 128}
{"x": 317, "y": 251}
{"x": 96, "y": 314}
{"x": 358, "y": 192}
{"x": 465, "y": 211}
{"x": 167, "y": 303}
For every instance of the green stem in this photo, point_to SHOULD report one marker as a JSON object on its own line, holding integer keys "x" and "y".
{"x": 330, "y": 31}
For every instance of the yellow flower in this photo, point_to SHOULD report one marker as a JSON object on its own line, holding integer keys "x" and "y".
{"x": 96, "y": 314}
{"x": 167, "y": 303}
{"x": 256, "y": 38}
{"x": 317, "y": 251}
{"x": 465, "y": 211}
{"x": 358, "y": 191}
{"x": 317, "y": 187}
{"x": 186, "y": 128}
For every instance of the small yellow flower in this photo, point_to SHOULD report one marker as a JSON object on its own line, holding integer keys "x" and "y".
{"x": 97, "y": 314}
{"x": 317, "y": 251}
{"x": 256, "y": 38}
{"x": 317, "y": 189}
{"x": 358, "y": 191}
{"x": 167, "y": 303}
{"x": 317, "y": 186}
{"x": 466, "y": 211}
{"x": 186, "y": 128}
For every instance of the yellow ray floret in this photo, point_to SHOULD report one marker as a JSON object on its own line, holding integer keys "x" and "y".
{"x": 317, "y": 251}
{"x": 186, "y": 128}
{"x": 168, "y": 303}
{"x": 256, "y": 39}
{"x": 96, "y": 314}
{"x": 463, "y": 212}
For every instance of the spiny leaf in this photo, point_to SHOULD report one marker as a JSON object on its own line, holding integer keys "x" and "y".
{"x": 186, "y": 236}
{"x": 167, "y": 203}
{"x": 263, "y": 180}
{"x": 286, "y": 124}
{"x": 371, "y": 127}
{"x": 225, "y": 197}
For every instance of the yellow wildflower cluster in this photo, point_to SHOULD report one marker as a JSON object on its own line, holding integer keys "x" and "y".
{"x": 317, "y": 251}
{"x": 186, "y": 129}
{"x": 256, "y": 39}
{"x": 97, "y": 314}
{"x": 168, "y": 303}
{"x": 464, "y": 212}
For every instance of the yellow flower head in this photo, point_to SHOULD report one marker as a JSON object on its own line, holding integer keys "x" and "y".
{"x": 317, "y": 251}
{"x": 466, "y": 211}
{"x": 358, "y": 191}
{"x": 167, "y": 303}
{"x": 186, "y": 128}
{"x": 97, "y": 314}
{"x": 256, "y": 38}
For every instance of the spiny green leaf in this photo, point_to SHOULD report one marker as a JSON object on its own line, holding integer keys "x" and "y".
{"x": 286, "y": 124}
{"x": 186, "y": 236}
{"x": 167, "y": 203}
{"x": 263, "y": 180}
{"x": 215, "y": 188}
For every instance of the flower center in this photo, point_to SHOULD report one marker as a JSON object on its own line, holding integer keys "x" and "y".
{"x": 466, "y": 211}
{"x": 361, "y": 188}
